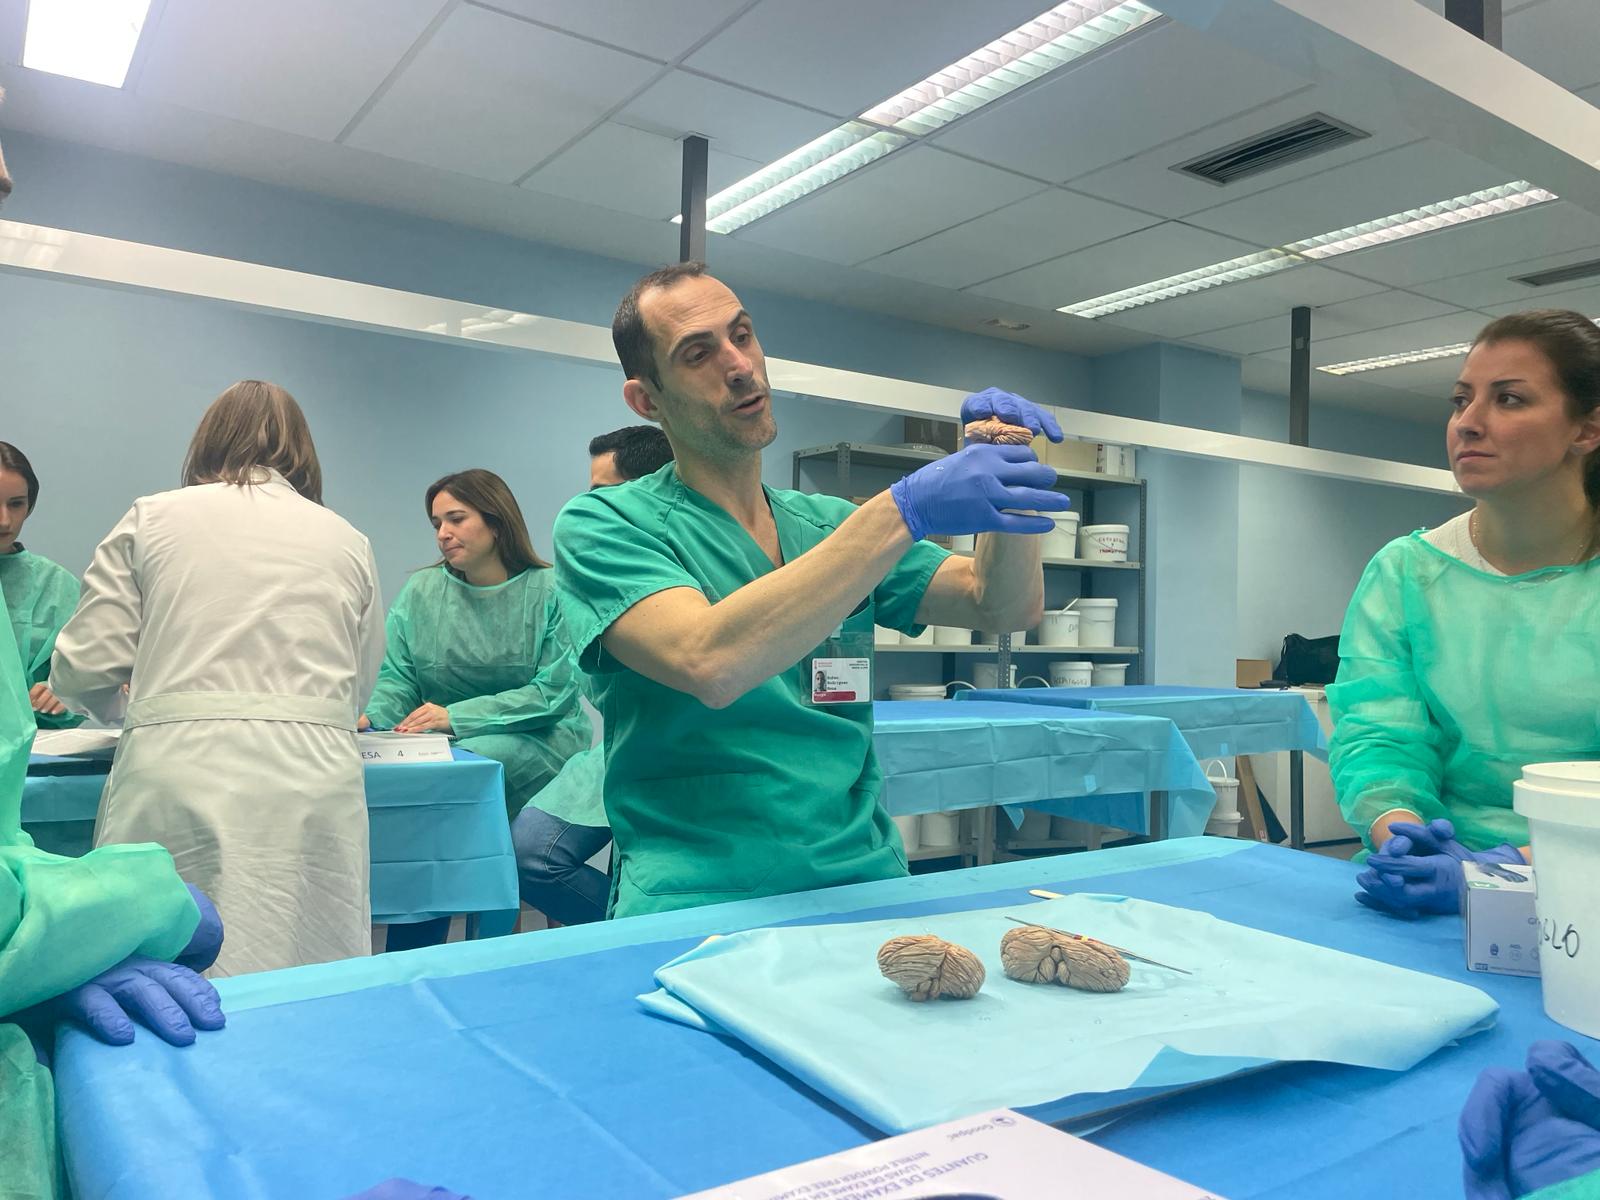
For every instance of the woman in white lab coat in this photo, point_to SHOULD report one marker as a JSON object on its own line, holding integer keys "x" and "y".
{"x": 246, "y": 621}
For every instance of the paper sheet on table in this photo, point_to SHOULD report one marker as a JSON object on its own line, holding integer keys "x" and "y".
{"x": 76, "y": 743}
{"x": 810, "y": 999}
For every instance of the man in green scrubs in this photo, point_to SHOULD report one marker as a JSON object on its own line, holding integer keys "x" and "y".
{"x": 704, "y": 604}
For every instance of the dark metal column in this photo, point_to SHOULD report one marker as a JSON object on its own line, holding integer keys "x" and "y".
{"x": 692, "y": 235}
{"x": 1480, "y": 18}
{"x": 1300, "y": 377}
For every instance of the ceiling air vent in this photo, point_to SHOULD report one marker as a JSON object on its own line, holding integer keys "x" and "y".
{"x": 1581, "y": 270}
{"x": 1275, "y": 148}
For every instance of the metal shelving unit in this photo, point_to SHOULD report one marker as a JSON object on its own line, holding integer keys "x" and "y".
{"x": 847, "y": 457}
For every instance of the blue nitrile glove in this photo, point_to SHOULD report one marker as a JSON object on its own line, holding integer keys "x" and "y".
{"x": 1013, "y": 410}
{"x": 404, "y": 1189}
{"x": 170, "y": 999}
{"x": 1418, "y": 869}
{"x": 968, "y": 491}
{"x": 206, "y": 942}
{"x": 1526, "y": 1130}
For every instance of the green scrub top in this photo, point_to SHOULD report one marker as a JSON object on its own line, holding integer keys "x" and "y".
{"x": 497, "y": 657}
{"x": 767, "y": 795}
{"x": 62, "y": 922}
{"x": 1451, "y": 680}
{"x": 40, "y": 596}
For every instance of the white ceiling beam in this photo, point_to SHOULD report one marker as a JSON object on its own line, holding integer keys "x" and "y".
{"x": 112, "y": 262}
{"x": 1438, "y": 79}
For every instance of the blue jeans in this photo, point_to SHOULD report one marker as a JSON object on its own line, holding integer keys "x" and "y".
{"x": 553, "y": 874}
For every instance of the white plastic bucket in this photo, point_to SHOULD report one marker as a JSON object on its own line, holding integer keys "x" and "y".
{"x": 940, "y": 830}
{"x": 949, "y": 635}
{"x": 993, "y": 639}
{"x": 987, "y": 675}
{"x": 910, "y": 832}
{"x": 1105, "y": 543}
{"x": 1098, "y": 622}
{"x": 1062, "y": 541}
{"x": 1059, "y": 628}
{"x": 1225, "y": 817}
{"x": 1109, "y": 675}
{"x": 1562, "y": 804}
{"x": 1071, "y": 674}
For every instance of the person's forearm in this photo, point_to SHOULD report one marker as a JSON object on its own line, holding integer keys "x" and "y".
{"x": 1009, "y": 581}
{"x": 1378, "y": 834}
{"x": 772, "y": 622}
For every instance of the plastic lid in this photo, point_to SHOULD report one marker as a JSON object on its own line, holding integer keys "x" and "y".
{"x": 1105, "y": 529}
{"x": 1569, "y": 776}
{"x": 1091, "y": 603}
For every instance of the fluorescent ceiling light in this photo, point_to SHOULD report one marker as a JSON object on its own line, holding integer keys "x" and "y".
{"x": 1051, "y": 40}
{"x": 1414, "y": 221}
{"x": 1404, "y": 358}
{"x": 91, "y": 40}
{"x": 1054, "y": 39}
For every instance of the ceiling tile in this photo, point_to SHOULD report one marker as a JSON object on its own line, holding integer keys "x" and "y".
{"x": 1560, "y": 39}
{"x": 1327, "y": 321}
{"x": 1136, "y": 258}
{"x": 1249, "y": 300}
{"x": 1584, "y": 299}
{"x": 842, "y": 56}
{"x": 302, "y": 66}
{"x": 903, "y": 197}
{"x": 737, "y": 121}
{"x": 1154, "y": 85}
{"x": 492, "y": 96}
{"x": 661, "y": 29}
{"x": 628, "y": 171}
{"x": 1417, "y": 335}
{"x": 1481, "y": 289}
{"x": 1480, "y": 245}
{"x": 1390, "y": 182}
{"x": 1148, "y": 180}
{"x": 1042, "y": 226}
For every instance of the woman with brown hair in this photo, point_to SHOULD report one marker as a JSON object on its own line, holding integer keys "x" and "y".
{"x": 1473, "y": 649}
{"x": 245, "y": 620}
{"x": 476, "y": 648}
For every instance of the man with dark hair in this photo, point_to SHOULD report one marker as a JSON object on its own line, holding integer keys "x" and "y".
{"x": 628, "y": 453}
{"x": 727, "y": 627}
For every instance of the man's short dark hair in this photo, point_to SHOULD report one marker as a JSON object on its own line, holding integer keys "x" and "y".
{"x": 640, "y": 449}
{"x": 635, "y": 350}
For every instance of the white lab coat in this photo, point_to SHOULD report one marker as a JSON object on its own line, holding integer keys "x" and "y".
{"x": 248, "y": 625}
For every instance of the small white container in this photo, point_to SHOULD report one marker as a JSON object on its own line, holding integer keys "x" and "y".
{"x": 987, "y": 674}
{"x": 1104, "y": 543}
{"x": 1113, "y": 459}
{"x": 949, "y": 635}
{"x": 1018, "y": 638}
{"x": 1110, "y": 675}
{"x": 1059, "y": 628}
{"x": 1062, "y": 541}
{"x": 964, "y": 543}
{"x": 1071, "y": 674}
{"x": 1562, "y": 804}
{"x": 910, "y": 832}
{"x": 1097, "y": 622}
{"x": 941, "y": 831}
{"x": 925, "y": 638}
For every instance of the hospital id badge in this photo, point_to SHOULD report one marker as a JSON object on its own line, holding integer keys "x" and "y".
{"x": 840, "y": 672}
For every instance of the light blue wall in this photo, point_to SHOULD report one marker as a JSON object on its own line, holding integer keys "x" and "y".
{"x": 1304, "y": 541}
{"x": 102, "y": 388}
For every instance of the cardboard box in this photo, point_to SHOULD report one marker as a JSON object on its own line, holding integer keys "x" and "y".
{"x": 1501, "y": 927}
{"x": 1251, "y": 672}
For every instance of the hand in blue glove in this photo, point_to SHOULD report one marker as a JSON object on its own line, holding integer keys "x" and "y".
{"x": 1526, "y": 1130}
{"x": 206, "y": 942}
{"x": 969, "y": 491}
{"x": 404, "y": 1189}
{"x": 1013, "y": 410}
{"x": 1418, "y": 869}
{"x": 169, "y": 999}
